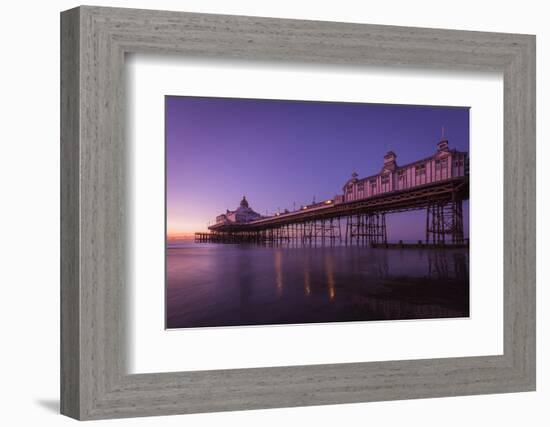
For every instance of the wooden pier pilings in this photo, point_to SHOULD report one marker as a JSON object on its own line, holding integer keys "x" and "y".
{"x": 241, "y": 237}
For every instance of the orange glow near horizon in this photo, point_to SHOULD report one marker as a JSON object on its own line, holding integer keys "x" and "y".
{"x": 184, "y": 225}
{"x": 180, "y": 236}
{"x": 184, "y": 233}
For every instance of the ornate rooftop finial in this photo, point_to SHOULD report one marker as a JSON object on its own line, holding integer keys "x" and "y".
{"x": 390, "y": 157}
{"x": 390, "y": 163}
{"x": 244, "y": 202}
{"x": 443, "y": 144}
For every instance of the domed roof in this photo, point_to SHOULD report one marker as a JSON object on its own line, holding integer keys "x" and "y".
{"x": 244, "y": 202}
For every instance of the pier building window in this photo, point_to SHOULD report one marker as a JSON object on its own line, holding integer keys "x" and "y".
{"x": 372, "y": 183}
{"x": 401, "y": 178}
{"x": 420, "y": 169}
{"x": 385, "y": 179}
{"x": 360, "y": 190}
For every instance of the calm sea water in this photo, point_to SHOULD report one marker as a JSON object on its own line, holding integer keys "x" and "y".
{"x": 228, "y": 285}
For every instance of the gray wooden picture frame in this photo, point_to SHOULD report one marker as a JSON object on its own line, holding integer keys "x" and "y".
{"x": 94, "y": 381}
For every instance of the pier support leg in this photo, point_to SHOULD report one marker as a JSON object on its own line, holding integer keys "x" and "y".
{"x": 444, "y": 223}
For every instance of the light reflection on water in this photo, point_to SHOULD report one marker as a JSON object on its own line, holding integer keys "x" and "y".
{"x": 228, "y": 285}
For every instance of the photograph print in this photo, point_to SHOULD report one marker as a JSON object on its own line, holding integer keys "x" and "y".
{"x": 293, "y": 212}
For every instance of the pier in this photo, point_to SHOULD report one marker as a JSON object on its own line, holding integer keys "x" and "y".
{"x": 437, "y": 184}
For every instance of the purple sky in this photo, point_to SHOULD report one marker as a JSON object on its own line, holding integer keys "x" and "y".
{"x": 278, "y": 152}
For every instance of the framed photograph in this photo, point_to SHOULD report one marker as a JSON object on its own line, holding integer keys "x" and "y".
{"x": 326, "y": 258}
{"x": 263, "y": 213}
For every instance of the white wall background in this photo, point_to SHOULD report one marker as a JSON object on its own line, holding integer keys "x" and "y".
{"x": 29, "y": 212}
